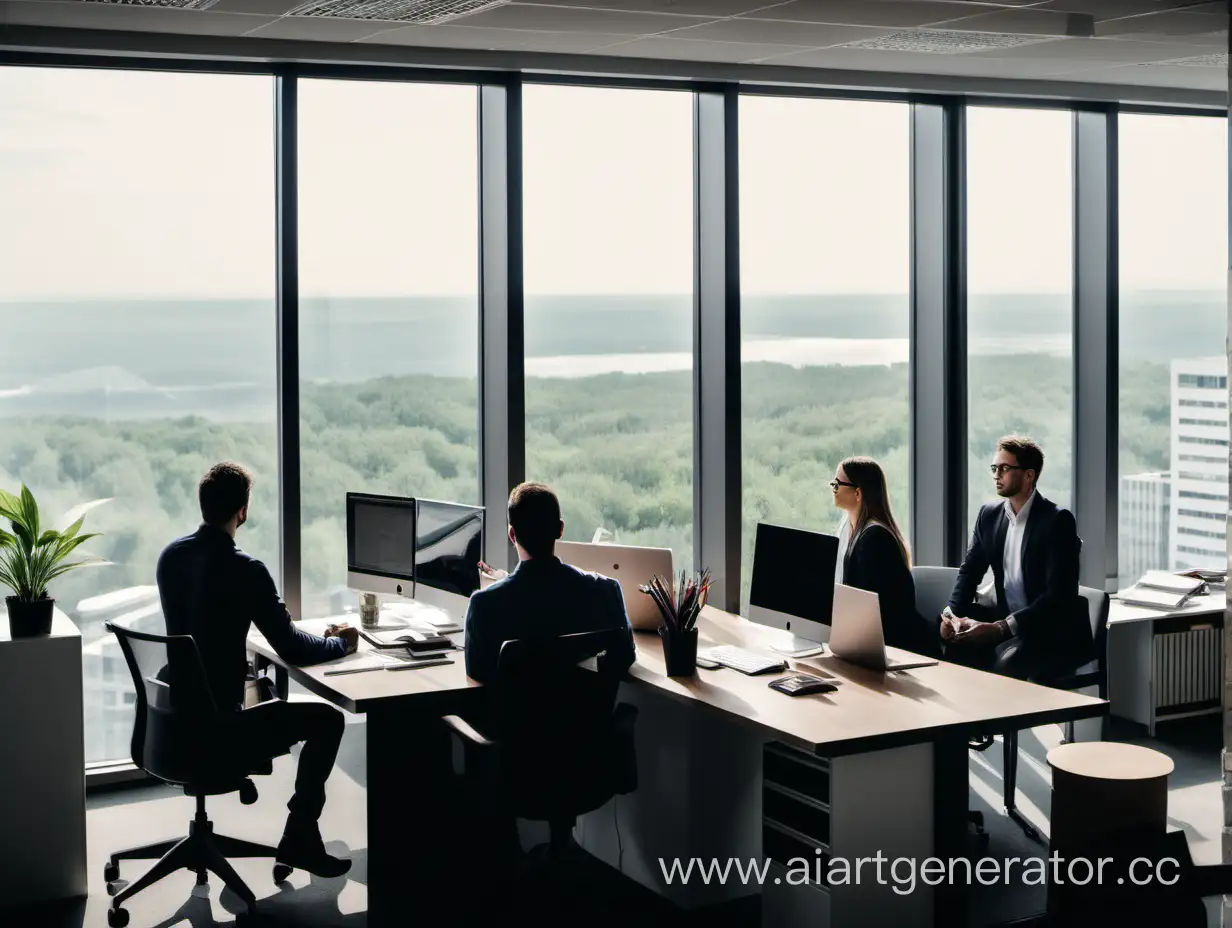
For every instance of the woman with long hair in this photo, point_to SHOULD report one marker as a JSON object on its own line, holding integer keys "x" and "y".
{"x": 876, "y": 557}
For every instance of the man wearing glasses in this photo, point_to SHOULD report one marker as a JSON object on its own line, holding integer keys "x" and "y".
{"x": 1031, "y": 623}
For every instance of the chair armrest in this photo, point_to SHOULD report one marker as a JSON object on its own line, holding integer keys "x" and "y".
{"x": 466, "y": 731}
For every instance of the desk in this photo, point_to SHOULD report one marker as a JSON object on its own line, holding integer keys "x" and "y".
{"x": 891, "y": 749}
{"x": 1166, "y": 664}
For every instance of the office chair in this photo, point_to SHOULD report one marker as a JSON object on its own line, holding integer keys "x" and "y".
{"x": 172, "y": 741}
{"x": 560, "y": 745}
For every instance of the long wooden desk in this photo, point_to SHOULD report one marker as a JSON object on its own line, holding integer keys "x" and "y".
{"x": 891, "y": 749}
{"x": 1166, "y": 664}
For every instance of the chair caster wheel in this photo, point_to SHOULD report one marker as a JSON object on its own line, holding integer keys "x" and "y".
{"x": 117, "y": 918}
{"x": 281, "y": 872}
{"x": 248, "y": 792}
{"x": 111, "y": 873}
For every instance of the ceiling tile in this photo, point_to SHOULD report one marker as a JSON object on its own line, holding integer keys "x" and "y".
{"x": 569, "y": 43}
{"x": 686, "y": 7}
{"x": 77, "y": 15}
{"x": 453, "y": 37}
{"x": 918, "y": 63}
{"x": 772, "y": 32}
{"x": 689, "y": 50}
{"x": 891, "y": 13}
{"x": 1014, "y": 22}
{"x": 577, "y": 19}
{"x": 262, "y": 7}
{"x": 1166, "y": 24}
{"x": 1095, "y": 51}
{"x": 319, "y": 29}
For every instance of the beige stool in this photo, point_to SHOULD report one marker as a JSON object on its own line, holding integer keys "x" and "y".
{"x": 1103, "y": 792}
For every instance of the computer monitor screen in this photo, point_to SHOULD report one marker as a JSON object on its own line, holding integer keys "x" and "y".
{"x": 448, "y": 546}
{"x": 793, "y": 573}
{"x": 381, "y": 536}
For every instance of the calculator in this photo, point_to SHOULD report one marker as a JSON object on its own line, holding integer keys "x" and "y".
{"x": 801, "y": 684}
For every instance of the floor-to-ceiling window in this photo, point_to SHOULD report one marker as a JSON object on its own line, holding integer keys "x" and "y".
{"x": 1020, "y": 292}
{"x": 389, "y": 318}
{"x": 1173, "y": 219}
{"x": 137, "y": 312}
{"x": 608, "y": 205}
{"x": 824, "y": 269}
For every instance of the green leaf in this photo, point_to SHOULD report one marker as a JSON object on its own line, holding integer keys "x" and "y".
{"x": 10, "y": 505}
{"x": 79, "y": 512}
{"x": 7, "y": 539}
{"x": 30, "y": 511}
{"x": 47, "y": 538}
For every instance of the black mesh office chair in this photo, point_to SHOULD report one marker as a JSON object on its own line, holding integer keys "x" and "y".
{"x": 559, "y": 745}
{"x": 176, "y": 738}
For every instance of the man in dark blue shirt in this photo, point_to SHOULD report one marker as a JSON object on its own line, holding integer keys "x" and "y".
{"x": 543, "y": 597}
{"x": 212, "y": 590}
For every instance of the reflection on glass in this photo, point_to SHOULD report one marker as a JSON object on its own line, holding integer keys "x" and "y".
{"x": 137, "y": 311}
{"x": 1020, "y": 292}
{"x": 1173, "y": 322}
{"x": 825, "y": 259}
{"x": 608, "y": 204}
{"x": 389, "y": 307}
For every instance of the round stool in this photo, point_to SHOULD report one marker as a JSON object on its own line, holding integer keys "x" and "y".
{"x": 1104, "y": 794}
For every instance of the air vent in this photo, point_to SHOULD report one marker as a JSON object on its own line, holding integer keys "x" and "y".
{"x": 419, "y": 12}
{"x": 176, "y": 4}
{"x": 1217, "y": 60}
{"x": 945, "y": 42}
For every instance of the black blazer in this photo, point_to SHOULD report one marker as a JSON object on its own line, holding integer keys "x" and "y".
{"x": 1055, "y": 618}
{"x": 874, "y": 562}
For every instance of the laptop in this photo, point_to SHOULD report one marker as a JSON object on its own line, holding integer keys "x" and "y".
{"x": 631, "y": 567}
{"x": 856, "y": 635}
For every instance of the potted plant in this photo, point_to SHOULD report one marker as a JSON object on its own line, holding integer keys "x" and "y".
{"x": 30, "y": 558}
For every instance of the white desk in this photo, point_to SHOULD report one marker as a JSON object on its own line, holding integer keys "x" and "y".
{"x": 1166, "y": 664}
{"x": 43, "y": 771}
{"x": 888, "y": 754}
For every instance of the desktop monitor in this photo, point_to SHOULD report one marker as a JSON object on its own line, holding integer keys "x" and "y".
{"x": 380, "y": 544}
{"x": 793, "y": 585}
{"x": 448, "y": 548}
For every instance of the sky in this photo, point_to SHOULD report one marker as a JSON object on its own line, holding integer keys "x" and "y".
{"x": 123, "y": 184}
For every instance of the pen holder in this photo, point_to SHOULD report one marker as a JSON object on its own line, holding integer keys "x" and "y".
{"x": 679, "y": 651}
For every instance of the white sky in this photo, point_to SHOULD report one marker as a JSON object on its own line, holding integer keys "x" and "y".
{"x": 117, "y": 184}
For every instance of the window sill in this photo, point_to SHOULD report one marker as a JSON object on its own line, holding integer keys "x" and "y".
{"x": 110, "y": 774}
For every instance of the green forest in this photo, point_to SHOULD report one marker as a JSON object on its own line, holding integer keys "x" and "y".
{"x": 617, "y": 447}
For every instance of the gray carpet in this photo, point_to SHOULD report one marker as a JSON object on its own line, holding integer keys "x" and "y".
{"x": 140, "y": 815}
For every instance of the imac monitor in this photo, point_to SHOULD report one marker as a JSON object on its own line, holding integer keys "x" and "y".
{"x": 630, "y": 567}
{"x": 380, "y": 544}
{"x": 793, "y": 585}
{"x": 448, "y": 548}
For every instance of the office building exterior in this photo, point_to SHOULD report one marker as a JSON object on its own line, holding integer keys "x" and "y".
{"x": 1198, "y": 517}
{"x": 1145, "y": 502}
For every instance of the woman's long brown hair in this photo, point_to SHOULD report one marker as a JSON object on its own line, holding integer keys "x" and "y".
{"x": 869, "y": 478}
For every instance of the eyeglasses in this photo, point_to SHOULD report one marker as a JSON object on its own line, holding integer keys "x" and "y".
{"x": 836, "y": 483}
{"x": 998, "y": 470}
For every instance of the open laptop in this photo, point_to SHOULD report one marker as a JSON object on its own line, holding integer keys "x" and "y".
{"x": 631, "y": 567}
{"x": 856, "y": 635}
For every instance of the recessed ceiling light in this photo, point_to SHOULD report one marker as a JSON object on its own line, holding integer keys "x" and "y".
{"x": 420, "y": 12}
{"x": 945, "y": 41}
{"x": 175, "y": 4}
{"x": 1216, "y": 60}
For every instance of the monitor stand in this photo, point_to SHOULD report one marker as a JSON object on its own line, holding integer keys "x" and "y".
{"x": 800, "y": 647}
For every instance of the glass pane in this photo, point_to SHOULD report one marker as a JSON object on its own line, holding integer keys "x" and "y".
{"x": 1019, "y": 292}
{"x": 825, "y": 264}
{"x": 137, "y": 306}
{"x": 608, "y": 192}
{"x": 1173, "y": 322}
{"x": 389, "y": 307}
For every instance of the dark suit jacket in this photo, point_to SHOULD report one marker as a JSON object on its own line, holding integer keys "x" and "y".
{"x": 1055, "y": 620}
{"x": 542, "y": 598}
{"x": 875, "y": 563}
{"x": 212, "y": 590}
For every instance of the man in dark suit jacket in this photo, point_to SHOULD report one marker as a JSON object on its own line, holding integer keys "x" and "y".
{"x": 543, "y": 597}
{"x": 212, "y": 590}
{"x": 1038, "y": 626}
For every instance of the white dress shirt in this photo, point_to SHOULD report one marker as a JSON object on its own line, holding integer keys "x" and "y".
{"x": 1015, "y": 593}
{"x": 844, "y": 542}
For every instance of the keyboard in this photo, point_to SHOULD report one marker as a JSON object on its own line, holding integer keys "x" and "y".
{"x": 749, "y": 662}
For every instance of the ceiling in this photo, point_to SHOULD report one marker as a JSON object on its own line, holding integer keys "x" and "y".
{"x": 1178, "y": 44}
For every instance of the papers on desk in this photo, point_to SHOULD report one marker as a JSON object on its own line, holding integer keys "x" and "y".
{"x": 1171, "y": 583}
{"x": 358, "y": 662}
{"x": 1159, "y": 589}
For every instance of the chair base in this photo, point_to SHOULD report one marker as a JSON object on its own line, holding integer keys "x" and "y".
{"x": 202, "y": 851}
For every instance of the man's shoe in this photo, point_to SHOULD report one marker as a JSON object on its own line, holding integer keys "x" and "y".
{"x": 303, "y": 849}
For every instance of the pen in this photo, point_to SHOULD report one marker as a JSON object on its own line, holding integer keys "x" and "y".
{"x": 416, "y": 664}
{"x": 338, "y": 670}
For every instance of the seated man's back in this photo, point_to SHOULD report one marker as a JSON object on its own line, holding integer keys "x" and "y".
{"x": 543, "y": 598}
